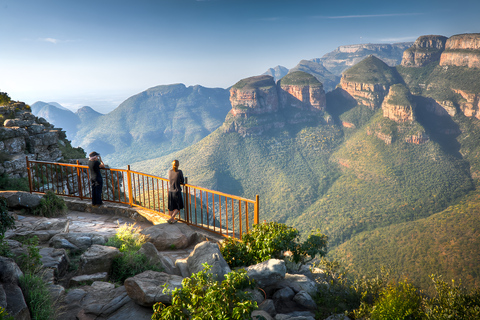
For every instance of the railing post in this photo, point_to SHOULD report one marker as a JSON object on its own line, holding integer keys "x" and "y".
{"x": 79, "y": 180}
{"x": 186, "y": 209}
{"x": 30, "y": 183}
{"x": 256, "y": 218}
{"x": 130, "y": 192}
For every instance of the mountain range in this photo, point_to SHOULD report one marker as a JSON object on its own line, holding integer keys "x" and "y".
{"x": 385, "y": 160}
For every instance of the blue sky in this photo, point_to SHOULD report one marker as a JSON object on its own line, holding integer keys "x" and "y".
{"x": 100, "y": 52}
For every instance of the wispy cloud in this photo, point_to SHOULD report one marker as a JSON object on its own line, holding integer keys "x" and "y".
{"x": 399, "y": 39}
{"x": 370, "y": 15}
{"x": 50, "y": 40}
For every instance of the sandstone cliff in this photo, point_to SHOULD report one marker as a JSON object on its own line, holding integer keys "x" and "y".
{"x": 22, "y": 134}
{"x": 254, "y": 95}
{"x": 471, "y": 104}
{"x": 368, "y": 81}
{"x": 426, "y": 49}
{"x": 302, "y": 90}
{"x": 462, "y": 50}
{"x": 259, "y": 105}
{"x": 397, "y": 105}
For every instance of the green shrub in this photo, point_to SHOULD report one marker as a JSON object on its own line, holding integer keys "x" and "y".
{"x": 5, "y": 248}
{"x": 7, "y": 183}
{"x": 398, "y": 301}
{"x": 202, "y": 297}
{"x": 127, "y": 238}
{"x": 29, "y": 261}
{"x": 51, "y": 205}
{"x": 6, "y": 220}
{"x": 271, "y": 240}
{"x": 4, "y": 315}
{"x": 129, "y": 264}
{"x": 452, "y": 302}
{"x": 37, "y": 297}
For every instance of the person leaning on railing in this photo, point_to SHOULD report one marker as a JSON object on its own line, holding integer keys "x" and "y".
{"x": 94, "y": 164}
{"x": 175, "y": 200}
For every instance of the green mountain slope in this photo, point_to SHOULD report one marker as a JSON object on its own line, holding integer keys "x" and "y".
{"x": 157, "y": 121}
{"x": 446, "y": 243}
{"x": 385, "y": 184}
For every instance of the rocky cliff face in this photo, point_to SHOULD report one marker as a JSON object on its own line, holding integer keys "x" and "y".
{"x": 471, "y": 106}
{"x": 397, "y": 105}
{"x": 256, "y": 102}
{"x": 462, "y": 50}
{"x": 255, "y": 95}
{"x": 368, "y": 94}
{"x": 22, "y": 134}
{"x": 426, "y": 49}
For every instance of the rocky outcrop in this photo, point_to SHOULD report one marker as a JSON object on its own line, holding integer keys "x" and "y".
{"x": 301, "y": 90}
{"x": 254, "y": 95}
{"x": 426, "y": 49}
{"x": 368, "y": 81}
{"x": 462, "y": 50}
{"x": 471, "y": 104}
{"x": 257, "y": 102}
{"x": 397, "y": 105}
{"x": 418, "y": 138}
{"x": 22, "y": 134}
{"x": 370, "y": 95}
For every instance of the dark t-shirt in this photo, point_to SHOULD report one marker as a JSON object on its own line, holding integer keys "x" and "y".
{"x": 175, "y": 180}
{"x": 94, "y": 167}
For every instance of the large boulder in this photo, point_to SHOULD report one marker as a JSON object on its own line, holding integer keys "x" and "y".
{"x": 56, "y": 259}
{"x": 268, "y": 272}
{"x": 77, "y": 242}
{"x": 168, "y": 236}
{"x": 98, "y": 259}
{"x": 146, "y": 288}
{"x": 305, "y": 300}
{"x": 11, "y": 296}
{"x": 21, "y": 199}
{"x": 208, "y": 252}
{"x": 298, "y": 282}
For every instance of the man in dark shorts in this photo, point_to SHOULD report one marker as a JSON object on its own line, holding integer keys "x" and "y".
{"x": 94, "y": 164}
{"x": 175, "y": 200}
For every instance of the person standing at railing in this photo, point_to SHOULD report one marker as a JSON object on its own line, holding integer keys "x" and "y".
{"x": 175, "y": 200}
{"x": 94, "y": 164}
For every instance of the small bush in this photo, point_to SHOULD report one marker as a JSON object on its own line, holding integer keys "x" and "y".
{"x": 7, "y": 183}
{"x": 129, "y": 264}
{"x": 398, "y": 301}
{"x": 202, "y": 297}
{"x": 271, "y": 240}
{"x": 6, "y": 219}
{"x": 452, "y": 302}
{"x": 5, "y": 248}
{"x": 127, "y": 238}
{"x": 50, "y": 206}
{"x": 37, "y": 297}
{"x": 30, "y": 262}
{"x": 4, "y": 315}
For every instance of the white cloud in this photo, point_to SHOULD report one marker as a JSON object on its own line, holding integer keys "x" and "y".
{"x": 51, "y": 40}
{"x": 370, "y": 15}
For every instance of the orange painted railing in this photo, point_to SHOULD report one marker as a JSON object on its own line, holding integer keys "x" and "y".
{"x": 221, "y": 213}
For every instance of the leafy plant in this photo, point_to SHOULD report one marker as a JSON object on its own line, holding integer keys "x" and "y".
{"x": 8, "y": 183}
{"x": 50, "y": 205}
{"x": 6, "y": 220}
{"x": 29, "y": 262}
{"x": 127, "y": 238}
{"x": 129, "y": 264}
{"x": 37, "y": 297}
{"x": 398, "y": 301}
{"x": 4, "y": 315}
{"x": 452, "y": 302}
{"x": 202, "y": 297}
{"x": 272, "y": 240}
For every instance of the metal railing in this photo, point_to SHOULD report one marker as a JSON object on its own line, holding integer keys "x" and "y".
{"x": 221, "y": 213}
